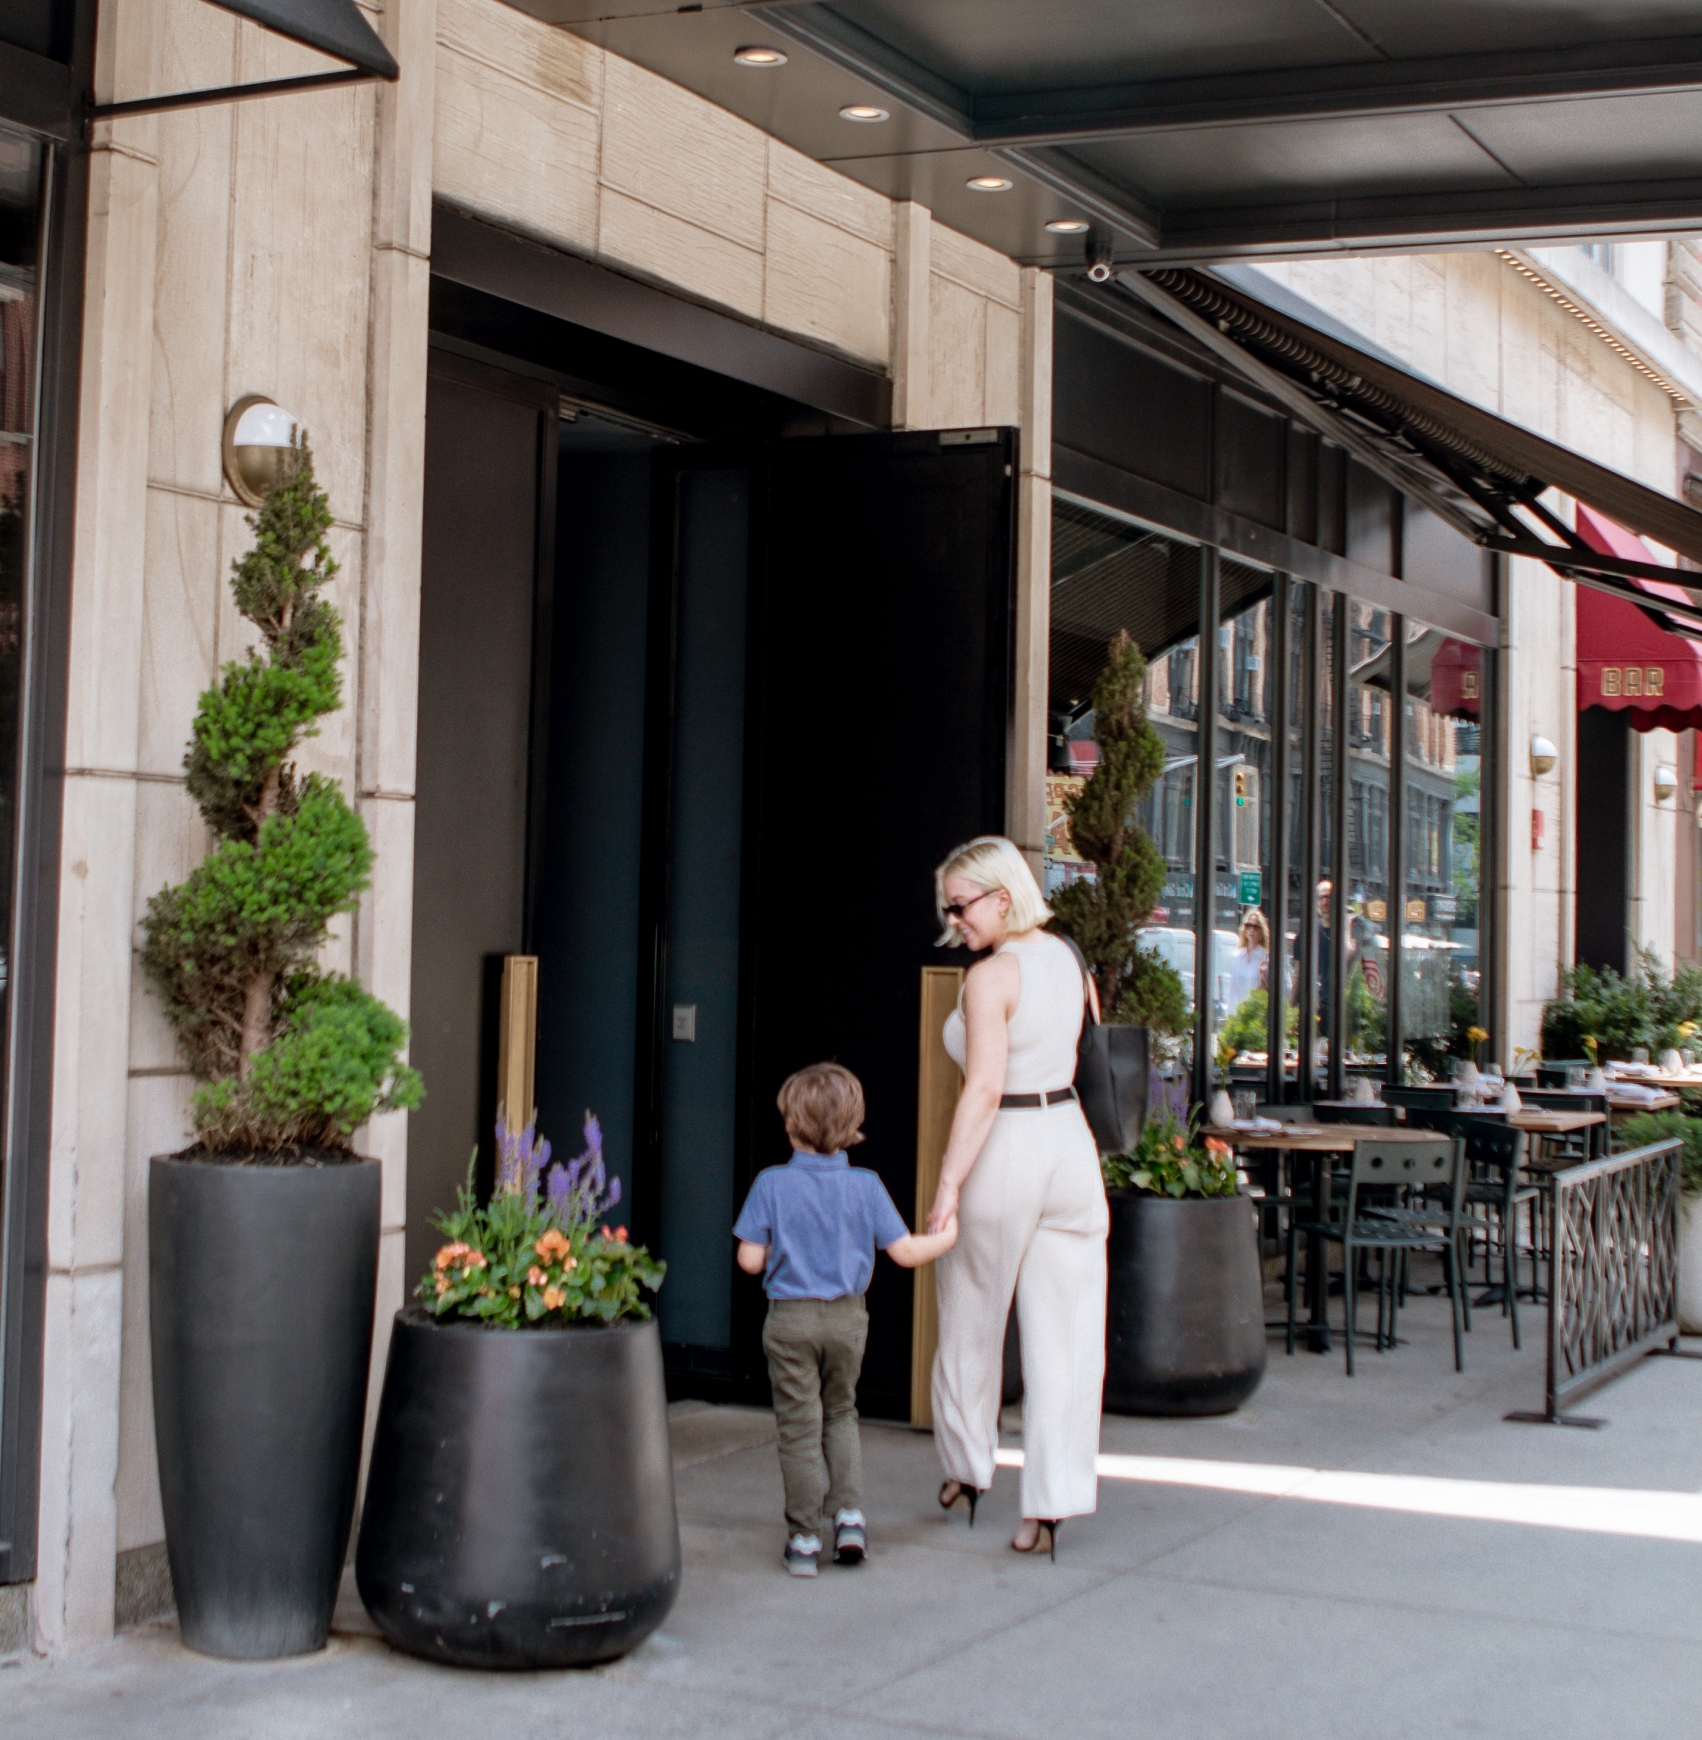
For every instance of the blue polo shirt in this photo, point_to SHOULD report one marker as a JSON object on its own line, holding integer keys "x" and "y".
{"x": 822, "y": 1219}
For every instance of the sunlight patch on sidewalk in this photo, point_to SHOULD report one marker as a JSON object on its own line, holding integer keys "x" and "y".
{"x": 1659, "y": 1516}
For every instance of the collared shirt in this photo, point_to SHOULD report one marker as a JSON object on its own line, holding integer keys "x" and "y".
{"x": 822, "y": 1220}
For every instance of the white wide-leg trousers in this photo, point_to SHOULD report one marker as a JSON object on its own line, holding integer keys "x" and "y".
{"x": 1031, "y": 1219}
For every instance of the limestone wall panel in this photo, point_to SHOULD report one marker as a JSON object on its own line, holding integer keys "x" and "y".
{"x": 298, "y": 325}
{"x": 179, "y": 654}
{"x": 522, "y": 49}
{"x": 957, "y": 352}
{"x": 663, "y": 246}
{"x": 834, "y": 198}
{"x": 520, "y": 155}
{"x": 672, "y": 151}
{"x": 827, "y": 283}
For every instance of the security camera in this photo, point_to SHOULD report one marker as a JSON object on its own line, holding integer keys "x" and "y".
{"x": 1098, "y": 257}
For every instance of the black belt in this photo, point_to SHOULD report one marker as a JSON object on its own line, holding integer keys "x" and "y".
{"x": 1030, "y": 1102}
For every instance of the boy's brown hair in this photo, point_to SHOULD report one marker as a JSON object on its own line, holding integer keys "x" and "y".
{"x": 823, "y": 1107}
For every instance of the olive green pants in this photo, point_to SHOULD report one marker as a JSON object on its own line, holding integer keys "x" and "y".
{"x": 815, "y": 1353}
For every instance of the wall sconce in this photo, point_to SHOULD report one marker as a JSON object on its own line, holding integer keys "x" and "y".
{"x": 1666, "y": 784}
{"x": 1543, "y": 757}
{"x": 257, "y": 436}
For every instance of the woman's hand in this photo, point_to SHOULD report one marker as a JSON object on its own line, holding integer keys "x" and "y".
{"x": 945, "y": 1207}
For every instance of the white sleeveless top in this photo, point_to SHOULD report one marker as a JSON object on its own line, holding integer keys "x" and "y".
{"x": 1045, "y": 1026}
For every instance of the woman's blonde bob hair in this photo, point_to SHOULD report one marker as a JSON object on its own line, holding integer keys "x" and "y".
{"x": 991, "y": 861}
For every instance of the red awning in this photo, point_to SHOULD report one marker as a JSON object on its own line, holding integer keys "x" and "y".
{"x": 1626, "y": 662}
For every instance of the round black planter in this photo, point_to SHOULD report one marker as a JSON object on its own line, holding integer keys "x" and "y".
{"x": 520, "y": 1500}
{"x": 261, "y": 1281}
{"x": 1185, "y": 1315}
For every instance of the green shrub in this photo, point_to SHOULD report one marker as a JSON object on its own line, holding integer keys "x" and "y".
{"x": 1646, "y": 1127}
{"x": 1171, "y": 1160}
{"x": 290, "y": 1058}
{"x": 1645, "y": 1008}
{"x": 534, "y": 1255}
{"x": 1103, "y": 917}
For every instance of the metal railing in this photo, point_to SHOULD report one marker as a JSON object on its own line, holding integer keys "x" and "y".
{"x": 1613, "y": 1272}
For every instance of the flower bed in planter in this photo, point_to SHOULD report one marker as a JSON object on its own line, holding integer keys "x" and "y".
{"x": 520, "y": 1503}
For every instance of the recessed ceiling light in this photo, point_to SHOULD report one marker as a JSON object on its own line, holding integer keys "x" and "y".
{"x": 1069, "y": 226}
{"x": 863, "y": 112}
{"x": 989, "y": 184}
{"x": 759, "y": 57}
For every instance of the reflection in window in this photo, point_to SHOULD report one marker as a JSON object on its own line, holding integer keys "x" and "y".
{"x": 1370, "y": 737}
{"x": 1441, "y": 973}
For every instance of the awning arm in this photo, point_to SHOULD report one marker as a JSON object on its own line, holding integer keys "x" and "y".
{"x": 1433, "y": 465}
{"x": 332, "y": 27}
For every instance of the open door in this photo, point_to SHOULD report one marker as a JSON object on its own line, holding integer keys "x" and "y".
{"x": 881, "y": 671}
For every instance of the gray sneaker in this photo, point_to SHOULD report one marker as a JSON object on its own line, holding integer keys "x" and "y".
{"x": 850, "y": 1538}
{"x": 802, "y": 1555}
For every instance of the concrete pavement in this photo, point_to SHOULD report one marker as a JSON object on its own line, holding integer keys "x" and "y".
{"x": 1224, "y": 1594}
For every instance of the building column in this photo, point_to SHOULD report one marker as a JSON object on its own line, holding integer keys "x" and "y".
{"x": 78, "y": 1515}
{"x": 1025, "y": 802}
{"x": 912, "y": 259}
{"x": 390, "y": 591}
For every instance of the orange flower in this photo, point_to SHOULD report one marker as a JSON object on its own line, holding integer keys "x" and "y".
{"x": 620, "y": 1235}
{"x": 442, "y": 1285}
{"x": 451, "y": 1254}
{"x": 554, "y": 1298}
{"x": 552, "y": 1245}
{"x": 477, "y": 1260}
{"x": 536, "y": 1276}
{"x": 1214, "y": 1146}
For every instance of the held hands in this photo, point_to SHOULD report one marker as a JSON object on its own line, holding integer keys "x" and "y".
{"x": 944, "y": 1210}
{"x": 915, "y": 1249}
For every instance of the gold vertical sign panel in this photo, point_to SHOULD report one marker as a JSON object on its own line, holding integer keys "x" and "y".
{"x": 517, "y": 1045}
{"x": 939, "y": 1082}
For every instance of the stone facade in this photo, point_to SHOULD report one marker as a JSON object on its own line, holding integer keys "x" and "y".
{"x": 283, "y": 247}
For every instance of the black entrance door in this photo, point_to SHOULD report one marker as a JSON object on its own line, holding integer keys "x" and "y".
{"x": 876, "y": 693}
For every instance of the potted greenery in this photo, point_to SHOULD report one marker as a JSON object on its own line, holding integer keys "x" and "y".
{"x": 263, "y": 1235}
{"x": 1607, "y": 1016}
{"x": 520, "y": 1500}
{"x": 1185, "y": 1330}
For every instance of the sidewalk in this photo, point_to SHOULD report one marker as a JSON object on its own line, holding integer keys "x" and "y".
{"x": 1202, "y": 1605}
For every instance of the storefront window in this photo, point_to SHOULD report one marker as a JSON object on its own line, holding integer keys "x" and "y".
{"x": 1173, "y": 706}
{"x": 1245, "y": 770}
{"x": 1370, "y": 739}
{"x": 1441, "y": 970}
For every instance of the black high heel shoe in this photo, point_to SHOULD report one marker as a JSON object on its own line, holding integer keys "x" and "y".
{"x": 1050, "y": 1525}
{"x": 964, "y": 1490}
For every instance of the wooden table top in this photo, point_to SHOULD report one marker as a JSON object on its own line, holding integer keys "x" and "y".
{"x": 1545, "y": 1123}
{"x": 1658, "y": 1080}
{"x": 1663, "y": 1101}
{"x": 1318, "y": 1138}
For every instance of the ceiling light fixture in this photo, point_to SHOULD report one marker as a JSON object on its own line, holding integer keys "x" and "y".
{"x": 759, "y": 56}
{"x": 863, "y": 112}
{"x": 1069, "y": 226}
{"x": 988, "y": 184}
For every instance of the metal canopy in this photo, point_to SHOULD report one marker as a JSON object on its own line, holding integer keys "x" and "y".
{"x": 1205, "y": 129}
{"x": 1481, "y": 474}
{"x": 333, "y": 27}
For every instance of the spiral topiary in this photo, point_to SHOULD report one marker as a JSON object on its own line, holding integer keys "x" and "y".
{"x": 291, "y": 1059}
{"x": 1103, "y": 916}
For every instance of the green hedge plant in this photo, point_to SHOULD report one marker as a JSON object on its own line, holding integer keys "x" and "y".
{"x": 290, "y": 1059}
{"x": 1103, "y": 917}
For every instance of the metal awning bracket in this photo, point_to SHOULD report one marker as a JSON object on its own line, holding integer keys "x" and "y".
{"x": 331, "y": 27}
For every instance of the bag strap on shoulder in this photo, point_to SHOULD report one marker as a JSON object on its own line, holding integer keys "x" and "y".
{"x": 1088, "y": 1019}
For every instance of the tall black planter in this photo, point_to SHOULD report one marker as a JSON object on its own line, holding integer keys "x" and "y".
{"x": 520, "y": 1501}
{"x": 261, "y": 1282}
{"x": 1185, "y": 1314}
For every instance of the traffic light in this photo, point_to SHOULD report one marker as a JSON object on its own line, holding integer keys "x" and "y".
{"x": 1240, "y": 787}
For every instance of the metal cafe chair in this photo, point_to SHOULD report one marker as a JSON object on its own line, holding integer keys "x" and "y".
{"x": 1401, "y": 1197}
{"x": 1427, "y": 1098}
{"x": 1551, "y": 1072}
{"x": 1495, "y": 1192}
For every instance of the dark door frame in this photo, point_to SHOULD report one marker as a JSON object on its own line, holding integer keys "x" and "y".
{"x": 40, "y": 95}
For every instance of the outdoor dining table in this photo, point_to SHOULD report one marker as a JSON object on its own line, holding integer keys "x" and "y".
{"x": 1319, "y": 1142}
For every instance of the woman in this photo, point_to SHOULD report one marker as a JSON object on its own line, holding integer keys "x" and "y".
{"x": 1021, "y": 1171}
{"x": 1249, "y": 966}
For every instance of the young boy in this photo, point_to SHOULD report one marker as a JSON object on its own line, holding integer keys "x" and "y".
{"x": 810, "y": 1229}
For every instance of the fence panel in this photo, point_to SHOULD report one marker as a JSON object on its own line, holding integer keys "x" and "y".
{"x": 1613, "y": 1272}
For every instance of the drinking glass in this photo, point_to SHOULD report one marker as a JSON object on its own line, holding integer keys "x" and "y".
{"x": 1245, "y": 1100}
{"x": 1577, "y": 1077}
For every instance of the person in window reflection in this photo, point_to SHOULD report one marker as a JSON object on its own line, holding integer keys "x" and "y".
{"x": 1021, "y": 1173}
{"x": 1249, "y": 966}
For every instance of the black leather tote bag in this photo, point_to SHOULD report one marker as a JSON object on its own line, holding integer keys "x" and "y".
{"x": 1111, "y": 1070}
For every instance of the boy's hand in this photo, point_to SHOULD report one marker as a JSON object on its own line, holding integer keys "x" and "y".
{"x": 915, "y": 1249}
